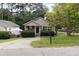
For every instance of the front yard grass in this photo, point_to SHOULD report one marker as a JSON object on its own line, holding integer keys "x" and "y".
{"x": 61, "y": 40}
{"x": 6, "y": 40}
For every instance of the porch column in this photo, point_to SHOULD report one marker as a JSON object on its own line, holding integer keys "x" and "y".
{"x": 39, "y": 30}
{"x": 24, "y": 27}
{"x": 35, "y": 30}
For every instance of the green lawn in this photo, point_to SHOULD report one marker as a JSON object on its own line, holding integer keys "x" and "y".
{"x": 61, "y": 40}
{"x": 6, "y": 40}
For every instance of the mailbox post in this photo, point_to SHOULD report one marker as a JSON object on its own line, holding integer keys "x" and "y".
{"x": 50, "y": 35}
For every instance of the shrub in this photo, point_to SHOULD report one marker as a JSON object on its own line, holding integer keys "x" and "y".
{"x": 13, "y": 35}
{"x": 28, "y": 33}
{"x": 47, "y": 33}
{"x": 4, "y": 35}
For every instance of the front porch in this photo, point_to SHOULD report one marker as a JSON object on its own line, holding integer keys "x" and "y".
{"x": 36, "y": 29}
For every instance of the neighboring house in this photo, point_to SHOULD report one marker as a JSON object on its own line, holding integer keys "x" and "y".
{"x": 9, "y": 26}
{"x": 37, "y": 25}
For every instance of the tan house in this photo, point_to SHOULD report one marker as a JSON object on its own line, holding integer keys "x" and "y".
{"x": 37, "y": 25}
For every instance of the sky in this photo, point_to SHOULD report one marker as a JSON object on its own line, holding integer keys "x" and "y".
{"x": 49, "y": 5}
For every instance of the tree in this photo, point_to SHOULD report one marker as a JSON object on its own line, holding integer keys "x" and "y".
{"x": 55, "y": 18}
{"x": 71, "y": 17}
{"x": 66, "y": 15}
{"x": 2, "y": 10}
{"x": 35, "y": 9}
{"x": 22, "y": 18}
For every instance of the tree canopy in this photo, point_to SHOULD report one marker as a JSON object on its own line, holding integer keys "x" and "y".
{"x": 66, "y": 15}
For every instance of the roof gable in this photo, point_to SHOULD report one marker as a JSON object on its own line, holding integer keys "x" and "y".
{"x": 37, "y": 22}
{"x": 31, "y": 23}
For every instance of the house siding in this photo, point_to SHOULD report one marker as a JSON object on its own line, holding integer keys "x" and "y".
{"x": 2, "y": 29}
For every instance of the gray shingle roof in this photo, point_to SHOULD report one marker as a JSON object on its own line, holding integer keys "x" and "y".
{"x": 37, "y": 22}
{"x": 5, "y": 23}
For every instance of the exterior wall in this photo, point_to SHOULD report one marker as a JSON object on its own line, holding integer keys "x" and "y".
{"x": 13, "y": 30}
{"x": 2, "y": 29}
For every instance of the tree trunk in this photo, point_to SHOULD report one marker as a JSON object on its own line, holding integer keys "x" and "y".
{"x": 2, "y": 10}
{"x": 68, "y": 31}
{"x": 55, "y": 30}
{"x": 8, "y": 9}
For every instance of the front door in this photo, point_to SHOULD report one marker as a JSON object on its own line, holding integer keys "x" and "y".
{"x": 37, "y": 30}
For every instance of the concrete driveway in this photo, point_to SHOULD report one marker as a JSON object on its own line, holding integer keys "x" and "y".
{"x": 19, "y": 43}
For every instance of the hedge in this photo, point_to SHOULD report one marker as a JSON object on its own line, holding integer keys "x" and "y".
{"x": 47, "y": 33}
{"x": 28, "y": 33}
{"x": 4, "y": 35}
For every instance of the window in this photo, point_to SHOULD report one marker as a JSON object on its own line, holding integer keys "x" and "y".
{"x": 44, "y": 28}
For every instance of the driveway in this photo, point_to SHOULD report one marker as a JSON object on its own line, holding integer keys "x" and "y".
{"x": 19, "y": 43}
